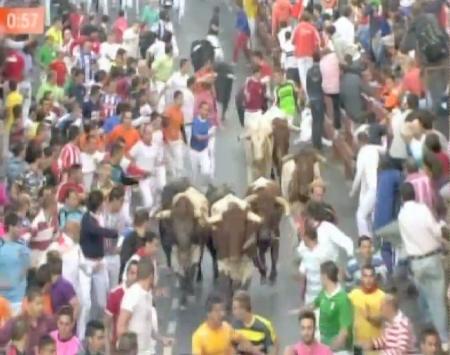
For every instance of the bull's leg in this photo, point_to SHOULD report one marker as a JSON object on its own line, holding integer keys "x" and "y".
{"x": 199, "y": 271}
{"x": 183, "y": 279}
{"x": 165, "y": 242}
{"x": 274, "y": 251}
{"x": 213, "y": 252}
{"x": 225, "y": 287}
{"x": 262, "y": 249}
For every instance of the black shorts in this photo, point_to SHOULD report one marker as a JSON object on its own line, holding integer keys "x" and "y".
{"x": 292, "y": 74}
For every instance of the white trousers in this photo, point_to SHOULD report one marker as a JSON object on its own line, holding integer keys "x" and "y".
{"x": 364, "y": 212}
{"x": 304, "y": 64}
{"x": 88, "y": 178}
{"x": 93, "y": 285}
{"x": 113, "y": 268}
{"x": 148, "y": 189}
{"x": 175, "y": 158}
{"x": 25, "y": 89}
{"x": 201, "y": 164}
{"x": 212, "y": 155}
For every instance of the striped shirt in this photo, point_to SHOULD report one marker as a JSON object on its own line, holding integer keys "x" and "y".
{"x": 109, "y": 104}
{"x": 70, "y": 155}
{"x": 354, "y": 270}
{"x": 397, "y": 337}
{"x": 43, "y": 229}
{"x": 422, "y": 187}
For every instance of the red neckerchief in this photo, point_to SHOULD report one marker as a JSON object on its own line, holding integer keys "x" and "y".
{"x": 141, "y": 252}
{"x": 370, "y": 290}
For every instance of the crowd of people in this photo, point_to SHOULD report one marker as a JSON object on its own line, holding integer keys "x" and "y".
{"x": 102, "y": 112}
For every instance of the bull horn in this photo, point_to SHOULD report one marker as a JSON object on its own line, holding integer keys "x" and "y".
{"x": 293, "y": 128}
{"x": 251, "y": 198}
{"x": 214, "y": 219}
{"x": 249, "y": 242}
{"x": 283, "y": 202}
{"x": 253, "y": 217}
{"x": 163, "y": 214}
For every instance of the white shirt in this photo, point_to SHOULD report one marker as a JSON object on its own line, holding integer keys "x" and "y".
{"x": 157, "y": 49}
{"x": 311, "y": 259}
{"x": 331, "y": 239}
{"x": 398, "y": 145}
{"x": 188, "y": 105}
{"x": 145, "y": 156}
{"x": 345, "y": 28}
{"x": 419, "y": 230}
{"x": 139, "y": 303}
{"x": 177, "y": 82}
{"x": 288, "y": 59}
{"x": 89, "y": 162}
{"x": 109, "y": 50}
{"x": 366, "y": 168}
{"x": 131, "y": 42}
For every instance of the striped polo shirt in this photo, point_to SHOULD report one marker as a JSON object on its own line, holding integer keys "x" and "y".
{"x": 259, "y": 332}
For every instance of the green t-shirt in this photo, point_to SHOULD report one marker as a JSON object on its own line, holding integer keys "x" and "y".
{"x": 150, "y": 16}
{"x": 286, "y": 98}
{"x": 336, "y": 312}
{"x": 46, "y": 54}
{"x": 163, "y": 68}
{"x": 56, "y": 92}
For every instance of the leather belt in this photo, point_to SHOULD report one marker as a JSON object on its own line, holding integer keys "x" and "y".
{"x": 427, "y": 255}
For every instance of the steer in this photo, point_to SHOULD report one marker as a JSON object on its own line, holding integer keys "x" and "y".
{"x": 280, "y": 133}
{"x": 233, "y": 234}
{"x": 265, "y": 199}
{"x": 186, "y": 228}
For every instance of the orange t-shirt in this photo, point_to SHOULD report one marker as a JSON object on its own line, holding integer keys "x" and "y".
{"x": 172, "y": 130}
{"x": 130, "y": 135}
{"x": 47, "y": 304}
{"x": 99, "y": 142}
{"x": 5, "y": 311}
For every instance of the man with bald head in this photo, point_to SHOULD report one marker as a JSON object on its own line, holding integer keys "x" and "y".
{"x": 397, "y": 334}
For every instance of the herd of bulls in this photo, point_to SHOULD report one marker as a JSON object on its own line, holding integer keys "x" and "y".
{"x": 238, "y": 232}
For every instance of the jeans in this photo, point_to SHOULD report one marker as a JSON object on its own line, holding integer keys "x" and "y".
{"x": 336, "y": 110}
{"x": 304, "y": 64}
{"x": 318, "y": 116}
{"x": 428, "y": 274}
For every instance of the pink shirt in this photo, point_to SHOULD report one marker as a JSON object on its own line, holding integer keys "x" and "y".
{"x": 314, "y": 349}
{"x": 68, "y": 347}
{"x": 329, "y": 68}
{"x": 422, "y": 187}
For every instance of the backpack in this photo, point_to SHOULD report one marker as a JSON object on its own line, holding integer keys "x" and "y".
{"x": 431, "y": 41}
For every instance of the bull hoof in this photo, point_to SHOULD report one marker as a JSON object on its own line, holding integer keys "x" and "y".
{"x": 199, "y": 276}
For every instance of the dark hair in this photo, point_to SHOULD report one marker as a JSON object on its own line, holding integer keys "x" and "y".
{"x": 191, "y": 81}
{"x": 66, "y": 311}
{"x": 130, "y": 264}
{"x": 425, "y": 118}
{"x": 92, "y": 327}
{"x": 146, "y": 268}
{"x": 410, "y": 166}
{"x": 316, "y": 57}
{"x": 11, "y": 220}
{"x": 330, "y": 270}
{"x": 362, "y": 239}
{"x": 177, "y": 94}
{"x": 116, "y": 193}
{"x": 73, "y": 133}
{"x": 258, "y": 54}
{"x": 17, "y": 111}
{"x": 55, "y": 267}
{"x": 32, "y": 293}
{"x": 428, "y": 332}
{"x": 368, "y": 267}
{"x": 310, "y": 230}
{"x": 19, "y": 329}
{"x": 94, "y": 200}
{"x": 244, "y": 300}
{"x": 43, "y": 275}
{"x": 212, "y": 300}
{"x": 18, "y": 148}
{"x": 287, "y": 35}
{"x": 407, "y": 192}
{"x": 183, "y": 61}
{"x": 433, "y": 143}
{"x": 74, "y": 168}
{"x": 307, "y": 315}
{"x": 127, "y": 343}
{"x": 330, "y": 30}
{"x": 149, "y": 236}
{"x": 12, "y": 85}
{"x": 412, "y": 101}
{"x": 45, "y": 341}
{"x": 141, "y": 217}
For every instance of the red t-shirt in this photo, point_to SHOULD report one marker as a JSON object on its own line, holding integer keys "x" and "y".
{"x": 60, "y": 68}
{"x": 305, "y": 39}
{"x": 254, "y": 94}
{"x": 266, "y": 69}
{"x": 113, "y": 303}
{"x": 445, "y": 163}
{"x": 64, "y": 189}
{"x": 413, "y": 83}
{"x": 14, "y": 66}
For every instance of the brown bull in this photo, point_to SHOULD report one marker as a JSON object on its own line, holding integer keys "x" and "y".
{"x": 233, "y": 236}
{"x": 265, "y": 200}
{"x": 280, "y": 133}
{"x": 186, "y": 230}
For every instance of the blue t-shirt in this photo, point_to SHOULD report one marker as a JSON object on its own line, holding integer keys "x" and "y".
{"x": 111, "y": 123}
{"x": 200, "y": 127}
{"x": 14, "y": 262}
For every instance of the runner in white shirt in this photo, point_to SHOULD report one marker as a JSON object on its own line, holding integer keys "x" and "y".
{"x": 345, "y": 27}
{"x": 131, "y": 41}
{"x": 178, "y": 80}
{"x": 108, "y": 52}
{"x": 137, "y": 313}
{"x": 366, "y": 179}
{"x": 145, "y": 155}
{"x": 188, "y": 107}
{"x": 90, "y": 160}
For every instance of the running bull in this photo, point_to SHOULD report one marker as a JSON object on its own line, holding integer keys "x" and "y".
{"x": 265, "y": 200}
{"x": 184, "y": 229}
{"x": 233, "y": 234}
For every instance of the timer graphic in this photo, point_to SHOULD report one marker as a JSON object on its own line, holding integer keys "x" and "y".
{"x": 22, "y": 20}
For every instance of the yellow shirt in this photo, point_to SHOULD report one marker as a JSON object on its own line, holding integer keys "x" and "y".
{"x": 12, "y": 99}
{"x": 363, "y": 304}
{"x": 251, "y": 8}
{"x": 207, "y": 341}
{"x": 56, "y": 36}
